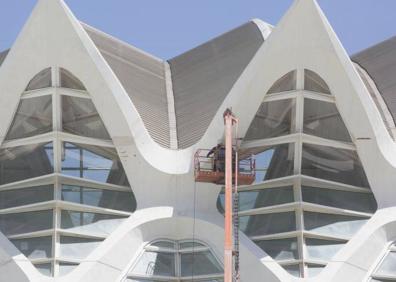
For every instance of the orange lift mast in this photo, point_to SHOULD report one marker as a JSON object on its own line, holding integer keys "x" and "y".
{"x": 219, "y": 171}
{"x": 229, "y": 121}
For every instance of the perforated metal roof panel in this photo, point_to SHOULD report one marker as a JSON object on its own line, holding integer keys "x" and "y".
{"x": 143, "y": 77}
{"x": 203, "y": 77}
{"x": 380, "y": 63}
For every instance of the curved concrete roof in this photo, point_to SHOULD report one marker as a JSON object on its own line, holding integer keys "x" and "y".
{"x": 199, "y": 79}
{"x": 193, "y": 85}
{"x": 379, "y": 61}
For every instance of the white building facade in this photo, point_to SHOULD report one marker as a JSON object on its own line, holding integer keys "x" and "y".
{"x": 97, "y": 144}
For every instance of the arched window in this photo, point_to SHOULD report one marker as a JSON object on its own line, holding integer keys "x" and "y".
{"x": 41, "y": 80}
{"x": 285, "y": 83}
{"x": 168, "y": 260}
{"x": 386, "y": 269}
{"x": 311, "y": 193}
{"x": 68, "y": 80}
{"x": 61, "y": 176}
{"x": 313, "y": 82}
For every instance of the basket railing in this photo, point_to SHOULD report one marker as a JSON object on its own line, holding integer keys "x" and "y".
{"x": 213, "y": 163}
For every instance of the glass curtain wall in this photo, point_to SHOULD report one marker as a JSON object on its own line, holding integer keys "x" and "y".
{"x": 63, "y": 188}
{"x": 168, "y": 260}
{"x": 311, "y": 194}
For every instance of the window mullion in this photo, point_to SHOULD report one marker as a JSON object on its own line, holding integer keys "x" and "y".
{"x": 57, "y": 144}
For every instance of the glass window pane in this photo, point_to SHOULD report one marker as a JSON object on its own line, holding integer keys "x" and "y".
{"x": 333, "y": 164}
{"x": 202, "y": 263}
{"x": 93, "y": 162}
{"x": 77, "y": 248}
{"x": 41, "y": 80}
{"x": 26, "y": 196}
{"x": 265, "y": 224}
{"x": 44, "y": 268}
{"x": 280, "y": 249}
{"x": 23, "y": 162}
{"x": 188, "y": 245}
{"x": 152, "y": 263}
{"x": 313, "y": 82}
{"x": 285, "y": 83}
{"x": 322, "y": 119}
{"x": 164, "y": 244}
{"x": 142, "y": 280}
{"x": 293, "y": 270}
{"x": 262, "y": 198}
{"x": 273, "y": 119}
{"x": 66, "y": 268}
{"x": 35, "y": 248}
{"x": 364, "y": 202}
{"x": 388, "y": 265}
{"x": 90, "y": 222}
{"x": 110, "y": 199}
{"x": 68, "y": 80}
{"x": 272, "y": 162}
{"x": 332, "y": 224}
{"x": 33, "y": 117}
{"x": 322, "y": 249}
{"x": 26, "y": 222}
{"x": 204, "y": 280}
{"x": 81, "y": 118}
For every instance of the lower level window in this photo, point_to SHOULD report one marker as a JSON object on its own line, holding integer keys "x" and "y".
{"x": 168, "y": 260}
{"x": 386, "y": 270}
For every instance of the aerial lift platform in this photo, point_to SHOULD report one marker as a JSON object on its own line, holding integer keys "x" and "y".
{"x": 221, "y": 166}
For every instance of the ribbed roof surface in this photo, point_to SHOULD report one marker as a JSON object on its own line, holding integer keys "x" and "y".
{"x": 203, "y": 77}
{"x": 380, "y": 63}
{"x": 143, "y": 78}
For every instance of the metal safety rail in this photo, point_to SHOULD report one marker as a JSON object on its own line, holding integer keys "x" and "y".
{"x": 210, "y": 169}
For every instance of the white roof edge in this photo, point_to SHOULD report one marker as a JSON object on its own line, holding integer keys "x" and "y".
{"x": 263, "y": 26}
{"x": 85, "y": 25}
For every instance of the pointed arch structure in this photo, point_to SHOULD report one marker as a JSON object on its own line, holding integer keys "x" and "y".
{"x": 293, "y": 97}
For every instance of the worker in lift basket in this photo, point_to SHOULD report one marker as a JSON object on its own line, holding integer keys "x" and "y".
{"x": 218, "y": 153}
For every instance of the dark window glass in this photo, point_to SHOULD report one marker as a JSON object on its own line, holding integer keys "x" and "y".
{"x": 265, "y": 224}
{"x": 41, "y": 80}
{"x": 93, "y": 162}
{"x": 280, "y": 249}
{"x": 363, "y": 202}
{"x": 285, "y": 83}
{"x": 322, "y": 119}
{"x": 110, "y": 199}
{"x": 26, "y": 222}
{"x": 262, "y": 198}
{"x": 313, "y": 82}
{"x": 333, "y": 224}
{"x": 68, "y": 80}
{"x": 153, "y": 263}
{"x": 33, "y": 117}
{"x": 23, "y": 162}
{"x": 26, "y": 196}
{"x": 333, "y": 164}
{"x": 273, "y": 119}
{"x": 81, "y": 118}
{"x": 201, "y": 263}
{"x": 35, "y": 248}
{"x": 272, "y": 162}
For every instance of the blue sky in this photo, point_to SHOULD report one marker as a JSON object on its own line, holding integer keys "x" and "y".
{"x": 168, "y": 28}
